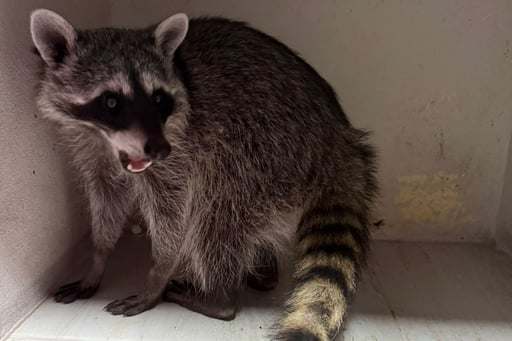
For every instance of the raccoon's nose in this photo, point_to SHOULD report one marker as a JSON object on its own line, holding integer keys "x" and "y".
{"x": 157, "y": 150}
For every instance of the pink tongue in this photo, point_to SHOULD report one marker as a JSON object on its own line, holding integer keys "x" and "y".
{"x": 138, "y": 165}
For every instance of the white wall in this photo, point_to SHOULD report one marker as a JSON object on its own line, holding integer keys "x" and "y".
{"x": 432, "y": 79}
{"x": 39, "y": 219}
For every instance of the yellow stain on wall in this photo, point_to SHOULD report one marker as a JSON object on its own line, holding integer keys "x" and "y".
{"x": 433, "y": 198}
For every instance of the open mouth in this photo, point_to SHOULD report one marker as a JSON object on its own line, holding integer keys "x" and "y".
{"x": 137, "y": 166}
{"x": 134, "y": 165}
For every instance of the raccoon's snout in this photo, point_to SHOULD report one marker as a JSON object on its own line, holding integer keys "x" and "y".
{"x": 138, "y": 150}
{"x": 157, "y": 150}
{"x": 153, "y": 150}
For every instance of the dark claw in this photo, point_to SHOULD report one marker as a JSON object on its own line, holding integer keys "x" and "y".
{"x": 134, "y": 311}
{"x": 129, "y": 306}
{"x": 73, "y": 291}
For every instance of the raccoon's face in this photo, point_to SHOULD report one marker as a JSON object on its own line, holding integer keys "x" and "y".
{"x": 118, "y": 82}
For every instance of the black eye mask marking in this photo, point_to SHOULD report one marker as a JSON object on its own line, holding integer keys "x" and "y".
{"x": 117, "y": 111}
{"x": 165, "y": 103}
{"x": 108, "y": 109}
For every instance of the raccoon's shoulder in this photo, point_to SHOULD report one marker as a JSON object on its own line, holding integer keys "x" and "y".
{"x": 214, "y": 27}
{"x": 221, "y": 59}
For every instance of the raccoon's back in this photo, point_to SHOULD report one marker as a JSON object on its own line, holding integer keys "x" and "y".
{"x": 252, "y": 93}
{"x": 240, "y": 67}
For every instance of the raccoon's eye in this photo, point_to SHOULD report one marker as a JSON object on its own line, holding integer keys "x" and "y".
{"x": 158, "y": 98}
{"x": 111, "y": 101}
{"x": 164, "y": 101}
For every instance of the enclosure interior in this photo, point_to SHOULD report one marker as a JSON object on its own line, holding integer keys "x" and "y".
{"x": 431, "y": 80}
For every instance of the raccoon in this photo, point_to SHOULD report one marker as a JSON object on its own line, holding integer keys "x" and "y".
{"x": 234, "y": 152}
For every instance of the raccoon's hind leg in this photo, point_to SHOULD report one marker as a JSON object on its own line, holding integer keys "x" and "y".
{"x": 332, "y": 247}
{"x": 266, "y": 272}
{"x": 107, "y": 223}
{"x": 219, "y": 306}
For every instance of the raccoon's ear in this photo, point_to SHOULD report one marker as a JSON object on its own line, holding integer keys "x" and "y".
{"x": 170, "y": 33}
{"x": 52, "y": 35}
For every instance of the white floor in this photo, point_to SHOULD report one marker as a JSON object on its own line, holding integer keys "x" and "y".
{"x": 411, "y": 291}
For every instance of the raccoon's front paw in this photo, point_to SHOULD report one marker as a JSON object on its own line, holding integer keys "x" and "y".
{"x": 130, "y": 306}
{"x": 74, "y": 291}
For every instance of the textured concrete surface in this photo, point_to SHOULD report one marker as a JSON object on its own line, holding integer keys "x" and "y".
{"x": 504, "y": 229}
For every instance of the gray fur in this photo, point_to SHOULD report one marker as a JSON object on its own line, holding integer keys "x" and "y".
{"x": 257, "y": 138}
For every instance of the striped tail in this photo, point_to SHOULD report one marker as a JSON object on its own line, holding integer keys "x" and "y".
{"x": 332, "y": 247}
